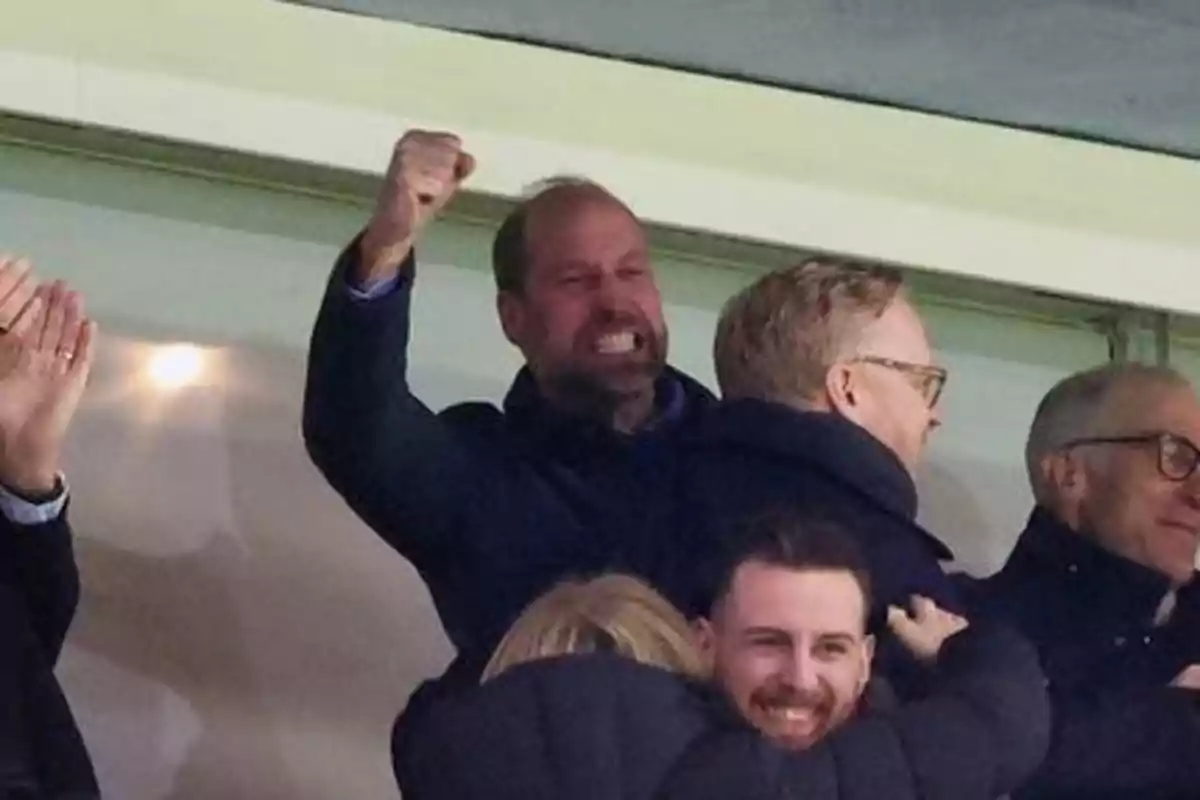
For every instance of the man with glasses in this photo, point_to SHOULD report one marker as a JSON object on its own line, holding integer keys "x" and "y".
{"x": 829, "y": 398}
{"x": 1103, "y": 580}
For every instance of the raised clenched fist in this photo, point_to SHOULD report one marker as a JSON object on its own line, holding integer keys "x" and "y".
{"x": 426, "y": 170}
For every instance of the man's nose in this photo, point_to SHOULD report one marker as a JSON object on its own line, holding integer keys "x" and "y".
{"x": 1191, "y": 491}
{"x": 804, "y": 673}
{"x": 609, "y": 294}
{"x": 1189, "y": 488}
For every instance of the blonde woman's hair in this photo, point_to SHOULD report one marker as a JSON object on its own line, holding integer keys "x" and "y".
{"x": 611, "y": 613}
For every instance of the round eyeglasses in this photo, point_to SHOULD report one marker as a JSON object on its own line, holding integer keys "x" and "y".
{"x": 1177, "y": 456}
{"x": 927, "y": 379}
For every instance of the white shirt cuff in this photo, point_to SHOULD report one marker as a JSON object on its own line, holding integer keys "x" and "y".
{"x": 22, "y": 512}
{"x": 373, "y": 290}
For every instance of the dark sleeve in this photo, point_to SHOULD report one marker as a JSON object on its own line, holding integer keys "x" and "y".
{"x": 909, "y": 677}
{"x": 978, "y": 738}
{"x": 398, "y": 465}
{"x": 37, "y": 563}
{"x": 1144, "y": 744}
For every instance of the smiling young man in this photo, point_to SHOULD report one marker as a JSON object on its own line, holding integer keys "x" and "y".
{"x": 1103, "y": 581}
{"x": 787, "y": 636}
{"x": 599, "y": 694}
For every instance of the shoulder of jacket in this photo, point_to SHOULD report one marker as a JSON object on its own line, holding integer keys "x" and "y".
{"x": 474, "y": 414}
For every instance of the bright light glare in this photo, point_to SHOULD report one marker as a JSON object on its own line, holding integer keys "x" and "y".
{"x": 175, "y": 366}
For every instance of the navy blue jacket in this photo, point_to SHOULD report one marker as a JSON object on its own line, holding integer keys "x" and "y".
{"x": 600, "y": 727}
{"x": 747, "y": 457}
{"x": 492, "y": 506}
{"x": 1119, "y": 731}
{"x": 42, "y": 754}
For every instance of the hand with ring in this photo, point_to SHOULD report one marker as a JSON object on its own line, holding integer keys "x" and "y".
{"x": 45, "y": 358}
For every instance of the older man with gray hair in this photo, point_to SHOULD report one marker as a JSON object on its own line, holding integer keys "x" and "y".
{"x": 1103, "y": 581}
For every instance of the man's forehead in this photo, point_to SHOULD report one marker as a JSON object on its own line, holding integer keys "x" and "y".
{"x": 763, "y": 595}
{"x": 898, "y": 333}
{"x": 1159, "y": 407}
{"x": 564, "y": 209}
{"x": 583, "y": 233}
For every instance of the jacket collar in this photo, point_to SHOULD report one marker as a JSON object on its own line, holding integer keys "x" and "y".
{"x": 677, "y": 397}
{"x": 1109, "y": 583}
{"x": 824, "y": 442}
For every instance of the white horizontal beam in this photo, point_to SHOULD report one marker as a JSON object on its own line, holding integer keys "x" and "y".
{"x": 946, "y": 232}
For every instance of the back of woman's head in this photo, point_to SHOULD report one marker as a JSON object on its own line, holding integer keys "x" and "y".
{"x": 612, "y": 613}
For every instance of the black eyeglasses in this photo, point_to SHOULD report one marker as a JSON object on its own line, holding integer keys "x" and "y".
{"x": 1177, "y": 456}
{"x": 925, "y": 378}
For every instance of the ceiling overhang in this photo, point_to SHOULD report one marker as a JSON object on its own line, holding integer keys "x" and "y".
{"x": 693, "y": 152}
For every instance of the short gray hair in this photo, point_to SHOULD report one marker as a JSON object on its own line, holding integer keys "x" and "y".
{"x": 1082, "y": 405}
{"x": 777, "y": 338}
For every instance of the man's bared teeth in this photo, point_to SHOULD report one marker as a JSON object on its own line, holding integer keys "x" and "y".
{"x": 617, "y": 343}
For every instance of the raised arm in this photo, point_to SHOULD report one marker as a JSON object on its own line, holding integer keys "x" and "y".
{"x": 402, "y": 468}
{"x": 46, "y": 353}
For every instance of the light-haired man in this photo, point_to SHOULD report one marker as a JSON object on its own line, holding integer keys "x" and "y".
{"x": 829, "y": 396}
{"x": 1103, "y": 581}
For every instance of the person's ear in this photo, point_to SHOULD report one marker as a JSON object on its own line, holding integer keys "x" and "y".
{"x": 510, "y": 307}
{"x": 842, "y": 390}
{"x": 868, "y": 659}
{"x": 1066, "y": 474}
